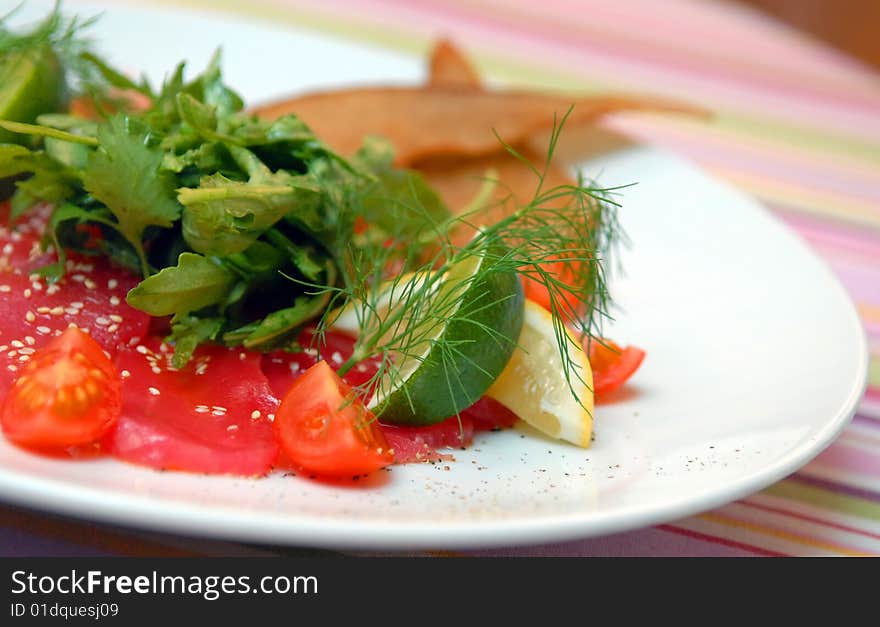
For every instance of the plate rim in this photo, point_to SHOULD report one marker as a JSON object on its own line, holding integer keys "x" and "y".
{"x": 224, "y": 522}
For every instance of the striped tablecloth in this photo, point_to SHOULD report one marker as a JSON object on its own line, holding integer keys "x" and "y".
{"x": 798, "y": 128}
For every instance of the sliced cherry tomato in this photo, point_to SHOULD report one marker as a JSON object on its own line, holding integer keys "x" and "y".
{"x": 568, "y": 304}
{"x": 612, "y": 365}
{"x": 68, "y": 393}
{"x": 324, "y": 429}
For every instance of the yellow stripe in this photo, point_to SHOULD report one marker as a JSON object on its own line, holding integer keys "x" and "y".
{"x": 814, "y": 202}
{"x": 870, "y": 313}
{"x": 782, "y": 535}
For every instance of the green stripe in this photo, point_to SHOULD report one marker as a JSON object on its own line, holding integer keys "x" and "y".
{"x": 874, "y": 371}
{"x": 843, "y": 504}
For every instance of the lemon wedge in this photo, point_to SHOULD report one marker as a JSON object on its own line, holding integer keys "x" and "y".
{"x": 533, "y": 384}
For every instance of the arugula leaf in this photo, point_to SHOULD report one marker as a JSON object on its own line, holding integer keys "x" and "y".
{"x": 279, "y": 326}
{"x": 187, "y": 332}
{"x": 194, "y": 283}
{"x": 114, "y": 77}
{"x": 200, "y": 116}
{"x": 124, "y": 174}
{"x": 14, "y": 159}
{"x": 224, "y": 217}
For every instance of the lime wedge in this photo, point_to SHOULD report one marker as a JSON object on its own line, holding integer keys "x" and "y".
{"x": 460, "y": 344}
{"x": 31, "y": 83}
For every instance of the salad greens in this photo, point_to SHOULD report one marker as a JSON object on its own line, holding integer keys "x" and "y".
{"x": 245, "y": 230}
{"x": 229, "y": 219}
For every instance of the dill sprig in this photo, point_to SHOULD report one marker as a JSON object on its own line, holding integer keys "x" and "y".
{"x": 64, "y": 34}
{"x": 398, "y": 288}
{"x": 85, "y": 72}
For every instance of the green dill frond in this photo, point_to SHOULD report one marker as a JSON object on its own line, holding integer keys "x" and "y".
{"x": 85, "y": 72}
{"x": 562, "y": 239}
{"x": 63, "y": 34}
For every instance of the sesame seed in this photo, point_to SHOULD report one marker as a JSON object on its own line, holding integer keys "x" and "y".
{"x": 77, "y": 305}
{"x": 156, "y": 370}
{"x": 201, "y": 409}
{"x": 241, "y": 356}
{"x": 27, "y": 293}
{"x": 12, "y": 368}
{"x": 29, "y": 340}
{"x": 79, "y": 278}
{"x": 336, "y": 357}
{"x": 125, "y": 374}
{"x": 143, "y": 350}
{"x": 102, "y": 321}
{"x": 7, "y": 250}
{"x": 271, "y": 417}
{"x": 37, "y": 286}
{"x": 118, "y": 318}
{"x": 90, "y": 285}
{"x": 153, "y": 391}
{"x": 3, "y": 348}
{"x": 30, "y": 317}
{"x": 26, "y": 351}
{"x": 43, "y": 330}
{"x": 294, "y": 367}
{"x": 114, "y": 300}
{"x": 23, "y": 358}
{"x": 112, "y": 283}
{"x": 218, "y": 408}
{"x": 12, "y": 353}
{"x": 5, "y": 288}
{"x": 71, "y": 311}
{"x": 255, "y": 414}
{"x": 232, "y": 428}
{"x": 43, "y": 310}
{"x": 218, "y": 413}
{"x": 56, "y": 311}
{"x": 17, "y": 343}
{"x": 113, "y": 328}
{"x": 52, "y": 289}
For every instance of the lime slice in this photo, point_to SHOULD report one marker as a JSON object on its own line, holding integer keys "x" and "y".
{"x": 463, "y": 340}
{"x": 533, "y": 385}
{"x": 31, "y": 83}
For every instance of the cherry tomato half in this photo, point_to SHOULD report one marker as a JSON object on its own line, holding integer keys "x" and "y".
{"x": 612, "y": 365}
{"x": 68, "y": 394}
{"x": 325, "y": 429}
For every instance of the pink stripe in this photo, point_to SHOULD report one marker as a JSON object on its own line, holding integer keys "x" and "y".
{"x": 771, "y": 65}
{"x": 831, "y": 233}
{"x": 722, "y": 541}
{"x": 770, "y": 43}
{"x": 862, "y": 282}
{"x": 850, "y": 459}
{"x": 762, "y": 161}
{"x": 813, "y": 519}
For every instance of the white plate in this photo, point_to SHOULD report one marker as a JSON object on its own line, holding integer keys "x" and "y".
{"x": 756, "y": 361}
